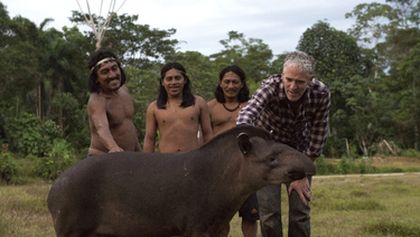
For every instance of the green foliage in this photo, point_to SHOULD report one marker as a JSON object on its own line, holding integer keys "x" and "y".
{"x": 410, "y": 153}
{"x": 323, "y": 167}
{"x": 8, "y": 167}
{"x": 365, "y": 167}
{"x": 375, "y": 20}
{"x": 252, "y": 55}
{"x": 140, "y": 45}
{"x": 60, "y": 157}
{"x": 71, "y": 117}
{"x": 143, "y": 84}
{"x": 394, "y": 27}
{"x": 375, "y": 85}
{"x": 326, "y": 166}
{"x": 29, "y": 135}
{"x": 345, "y": 166}
{"x": 339, "y": 64}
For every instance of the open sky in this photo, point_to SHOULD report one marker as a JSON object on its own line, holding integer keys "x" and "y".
{"x": 201, "y": 24}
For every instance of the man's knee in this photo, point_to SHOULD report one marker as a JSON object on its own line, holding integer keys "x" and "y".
{"x": 270, "y": 219}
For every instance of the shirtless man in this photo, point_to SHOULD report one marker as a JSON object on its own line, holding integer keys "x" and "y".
{"x": 231, "y": 94}
{"x": 177, "y": 114}
{"x": 110, "y": 107}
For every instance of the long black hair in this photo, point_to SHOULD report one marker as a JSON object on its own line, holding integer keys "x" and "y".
{"x": 188, "y": 98}
{"x": 94, "y": 59}
{"x": 243, "y": 94}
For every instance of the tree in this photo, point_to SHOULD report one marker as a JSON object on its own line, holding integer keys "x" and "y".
{"x": 339, "y": 61}
{"x": 394, "y": 27}
{"x": 253, "y": 55}
{"x": 375, "y": 20}
{"x": 138, "y": 44}
{"x": 21, "y": 39}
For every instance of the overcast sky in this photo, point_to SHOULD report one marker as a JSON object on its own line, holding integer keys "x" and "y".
{"x": 201, "y": 24}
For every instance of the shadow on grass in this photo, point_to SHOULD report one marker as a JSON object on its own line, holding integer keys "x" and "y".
{"x": 393, "y": 229}
{"x": 358, "y": 205}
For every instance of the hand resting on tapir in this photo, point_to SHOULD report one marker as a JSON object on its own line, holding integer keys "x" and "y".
{"x": 157, "y": 195}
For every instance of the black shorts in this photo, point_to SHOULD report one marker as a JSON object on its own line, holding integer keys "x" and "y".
{"x": 249, "y": 210}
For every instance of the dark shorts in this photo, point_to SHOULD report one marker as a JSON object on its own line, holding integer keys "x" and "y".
{"x": 249, "y": 210}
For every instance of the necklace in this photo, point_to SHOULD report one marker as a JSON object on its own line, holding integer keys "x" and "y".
{"x": 231, "y": 110}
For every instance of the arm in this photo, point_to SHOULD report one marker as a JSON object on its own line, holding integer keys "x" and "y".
{"x": 205, "y": 123}
{"x": 210, "y": 105}
{"x": 97, "y": 113}
{"x": 151, "y": 127}
{"x": 250, "y": 112}
{"x": 319, "y": 130}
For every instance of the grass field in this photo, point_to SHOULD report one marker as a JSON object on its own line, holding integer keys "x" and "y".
{"x": 342, "y": 206}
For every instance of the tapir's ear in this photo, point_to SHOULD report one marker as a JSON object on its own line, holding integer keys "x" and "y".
{"x": 244, "y": 143}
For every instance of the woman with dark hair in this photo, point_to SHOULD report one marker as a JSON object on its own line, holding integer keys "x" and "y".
{"x": 177, "y": 114}
{"x": 110, "y": 107}
{"x": 231, "y": 94}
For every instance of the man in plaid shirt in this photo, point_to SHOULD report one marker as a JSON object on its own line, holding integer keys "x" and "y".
{"x": 294, "y": 108}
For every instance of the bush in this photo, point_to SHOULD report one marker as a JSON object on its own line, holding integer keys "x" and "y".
{"x": 60, "y": 157}
{"x": 345, "y": 166}
{"x": 323, "y": 167}
{"x": 365, "y": 167}
{"x": 29, "y": 135}
{"x": 410, "y": 153}
{"x": 72, "y": 118}
{"x": 8, "y": 167}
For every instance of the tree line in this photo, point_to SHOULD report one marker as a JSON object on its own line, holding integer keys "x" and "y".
{"x": 373, "y": 71}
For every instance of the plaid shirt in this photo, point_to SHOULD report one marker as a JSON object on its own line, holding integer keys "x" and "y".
{"x": 269, "y": 109}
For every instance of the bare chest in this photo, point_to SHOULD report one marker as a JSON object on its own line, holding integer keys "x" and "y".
{"x": 176, "y": 115}
{"x": 222, "y": 119}
{"x": 119, "y": 108}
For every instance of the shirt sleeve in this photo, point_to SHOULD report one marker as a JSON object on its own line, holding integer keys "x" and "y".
{"x": 257, "y": 103}
{"x": 319, "y": 131}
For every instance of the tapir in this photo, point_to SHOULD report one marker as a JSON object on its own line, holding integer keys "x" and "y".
{"x": 190, "y": 194}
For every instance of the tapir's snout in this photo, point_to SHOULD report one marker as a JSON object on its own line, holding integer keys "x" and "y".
{"x": 298, "y": 165}
{"x": 295, "y": 175}
{"x": 299, "y": 174}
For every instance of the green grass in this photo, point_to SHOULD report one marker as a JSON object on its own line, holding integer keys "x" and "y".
{"x": 368, "y": 206}
{"x": 365, "y": 206}
{"x": 23, "y": 211}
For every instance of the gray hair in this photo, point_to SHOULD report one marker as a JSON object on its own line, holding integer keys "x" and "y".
{"x": 302, "y": 61}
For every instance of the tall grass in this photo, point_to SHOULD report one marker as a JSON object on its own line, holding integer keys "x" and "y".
{"x": 345, "y": 206}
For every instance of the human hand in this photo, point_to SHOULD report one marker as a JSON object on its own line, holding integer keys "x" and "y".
{"x": 302, "y": 188}
{"x": 115, "y": 149}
